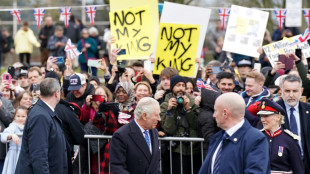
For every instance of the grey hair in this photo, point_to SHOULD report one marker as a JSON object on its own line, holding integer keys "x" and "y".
{"x": 48, "y": 87}
{"x": 291, "y": 78}
{"x": 93, "y": 30}
{"x": 84, "y": 30}
{"x": 59, "y": 28}
{"x": 145, "y": 105}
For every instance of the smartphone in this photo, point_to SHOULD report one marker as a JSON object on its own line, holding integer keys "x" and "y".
{"x": 36, "y": 87}
{"x": 148, "y": 65}
{"x": 216, "y": 69}
{"x": 308, "y": 61}
{"x": 99, "y": 98}
{"x": 94, "y": 63}
{"x": 122, "y": 52}
{"x": 60, "y": 60}
{"x": 287, "y": 61}
{"x": 11, "y": 71}
{"x": 257, "y": 67}
{"x": 7, "y": 77}
{"x": 298, "y": 53}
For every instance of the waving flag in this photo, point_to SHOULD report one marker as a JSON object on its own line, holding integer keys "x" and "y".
{"x": 65, "y": 12}
{"x": 38, "y": 14}
{"x": 16, "y": 13}
{"x": 280, "y": 14}
{"x": 72, "y": 50}
{"x": 201, "y": 84}
{"x": 91, "y": 13}
{"x": 307, "y": 17}
{"x": 224, "y": 14}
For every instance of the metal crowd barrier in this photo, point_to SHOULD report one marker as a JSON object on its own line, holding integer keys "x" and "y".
{"x": 181, "y": 140}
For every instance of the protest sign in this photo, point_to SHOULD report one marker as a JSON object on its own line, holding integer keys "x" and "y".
{"x": 134, "y": 32}
{"x": 273, "y": 50}
{"x": 176, "y": 47}
{"x": 245, "y": 30}
{"x": 116, "y": 5}
{"x": 293, "y": 15}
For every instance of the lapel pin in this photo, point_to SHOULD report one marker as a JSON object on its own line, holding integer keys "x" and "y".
{"x": 307, "y": 112}
{"x": 235, "y": 139}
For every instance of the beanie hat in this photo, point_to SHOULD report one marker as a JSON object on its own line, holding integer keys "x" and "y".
{"x": 52, "y": 74}
{"x": 176, "y": 79}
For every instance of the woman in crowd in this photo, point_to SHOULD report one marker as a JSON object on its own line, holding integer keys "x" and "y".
{"x": 88, "y": 47}
{"x": 142, "y": 89}
{"x": 285, "y": 155}
{"x": 23, "y": 99}
{"x": 10, "y": 135}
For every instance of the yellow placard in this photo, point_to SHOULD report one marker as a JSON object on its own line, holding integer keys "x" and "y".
{"x": 177, "y": 47}
{"x": 133, "y": 30}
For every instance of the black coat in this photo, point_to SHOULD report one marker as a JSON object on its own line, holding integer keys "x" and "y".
{"x": 206, "y": 123}
{"x": 81, "y": 100}
{"x": 129, "y": 152}
{"x": 47, "y": 32}
{"x": 44, "y": 146}
{"x": 304, "y": 113}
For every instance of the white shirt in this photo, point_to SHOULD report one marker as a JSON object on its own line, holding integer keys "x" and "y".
{"x": 49, "y": 106}
{"x": 148, "y": 132}
{"x": 297, "y": 117}
{"x": 230, "y": 132}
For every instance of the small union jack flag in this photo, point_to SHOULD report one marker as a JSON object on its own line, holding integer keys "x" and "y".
{"x": 201, "y": 84}
{"x": 224, "y": 14}
{"x": 65, "y": 12}
{"x": 39, "y": 14}
{"x": 91, "y": 13}
{"x": 280, "y": 14}
{"x": 72, "y": 50}
{"x": 307, "y": 17}
{"x": 16, "y": 13}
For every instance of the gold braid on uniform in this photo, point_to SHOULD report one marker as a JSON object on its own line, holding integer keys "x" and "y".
{"x": 296, "y": 137}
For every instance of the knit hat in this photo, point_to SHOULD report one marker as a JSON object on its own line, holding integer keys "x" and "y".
{"x": 52, "y": 74}
{"x": 176, "y": 79}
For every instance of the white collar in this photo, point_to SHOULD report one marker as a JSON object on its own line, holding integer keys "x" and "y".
{"x": 234, "y": 129}
{"x": 49, "y": 106}
{"x": 141, "y": 129}
{"x": 288, "y": 107}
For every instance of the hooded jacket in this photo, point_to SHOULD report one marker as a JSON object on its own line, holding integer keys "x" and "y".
{"x": 206, "y": 123}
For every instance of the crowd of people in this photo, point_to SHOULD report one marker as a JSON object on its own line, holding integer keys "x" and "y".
{"x": 252, "y": 121}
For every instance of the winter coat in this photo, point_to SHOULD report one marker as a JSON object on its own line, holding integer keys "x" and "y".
{"x": 57, "y": 51}
{"x": 91, "y": 51}
{"x": 80, "y": 101}
{"x": 206, "y": 123}
{"x": 24, "y": 40}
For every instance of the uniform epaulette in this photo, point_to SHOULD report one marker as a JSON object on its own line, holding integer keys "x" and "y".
{"x": 296, "y": 137}
{"x": 262, "y": 130}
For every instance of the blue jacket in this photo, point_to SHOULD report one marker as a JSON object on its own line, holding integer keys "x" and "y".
{"x": 246, "y": 151}
{"x": 44, "y": 148}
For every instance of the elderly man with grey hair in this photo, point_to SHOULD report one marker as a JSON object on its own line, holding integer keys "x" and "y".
{"x": 134, "y": 147}
{"x": 297, "y": 118}
{"x": 43, "y": 144}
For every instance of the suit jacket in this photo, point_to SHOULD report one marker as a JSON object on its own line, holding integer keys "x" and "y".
{"x": 304, "y": 113}
{"x": 246, "y": 151}
{"x": 43, "y": 148}
{"x": 129, "y": 152}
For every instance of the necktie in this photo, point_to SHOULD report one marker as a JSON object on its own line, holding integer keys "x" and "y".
{"x": 293, "y": 123}
{"x": 147, "y": 139}
{"x": 217, "y": 161}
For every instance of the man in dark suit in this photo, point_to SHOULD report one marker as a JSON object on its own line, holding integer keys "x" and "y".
{"x": 239, "y": 147}
{"x": 134, "y": 147}
{"x": 44, "y": 147}
{"x": 297, "y": 118}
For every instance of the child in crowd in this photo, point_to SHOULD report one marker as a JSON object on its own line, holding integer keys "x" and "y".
{"x": 12, "y": 134}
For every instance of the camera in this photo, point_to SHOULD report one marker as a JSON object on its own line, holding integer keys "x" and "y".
{"x": 180, "y": 100}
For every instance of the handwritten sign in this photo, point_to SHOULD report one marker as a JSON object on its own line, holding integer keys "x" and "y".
{"x": 245, "y": 30}
{"x": 134, "y": 32}
{"x": 176, "y": 47}
{"x": 284, "y": 46}
{"x": 293, "y": 17}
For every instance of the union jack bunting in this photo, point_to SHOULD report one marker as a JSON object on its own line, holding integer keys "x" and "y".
{"x": 65, "y": 12}
{"x": 91, "y": 13}
{"x": 307, "y": 17}
{"x": 38, "y": 14}
{"x": 72, "y": 50}
{"x": 224, "y": 14}
{"x": 16, "y": 14}
{"x": 280, "y": 14}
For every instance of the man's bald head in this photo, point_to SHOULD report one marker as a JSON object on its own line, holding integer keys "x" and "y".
{"x": 229, "y": 110}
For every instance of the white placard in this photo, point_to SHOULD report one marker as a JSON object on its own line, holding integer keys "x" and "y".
{"x": 293, "y": 17}
{"x": 245, "y": 30}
